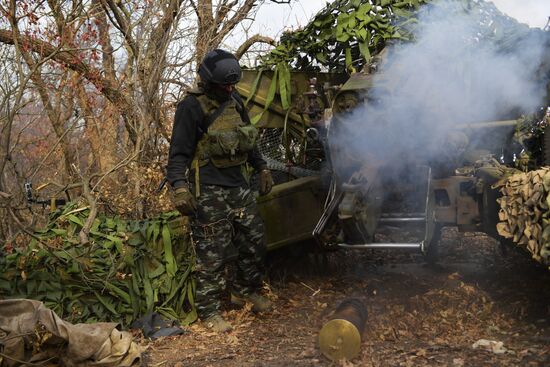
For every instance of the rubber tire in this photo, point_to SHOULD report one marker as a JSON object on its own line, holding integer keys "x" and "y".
{"x": 432, "y": 253}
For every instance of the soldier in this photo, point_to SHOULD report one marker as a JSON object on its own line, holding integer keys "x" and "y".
{"x": 212, "y": 143}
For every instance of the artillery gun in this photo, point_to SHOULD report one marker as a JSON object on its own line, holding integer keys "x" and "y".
{"x": 326, "y": 193}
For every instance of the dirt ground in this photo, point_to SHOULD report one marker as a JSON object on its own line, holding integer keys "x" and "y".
{"x": 419, "y": 315}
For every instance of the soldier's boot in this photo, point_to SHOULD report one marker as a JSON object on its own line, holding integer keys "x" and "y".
{"x": 217, "y": 323}
{"x": 259, "y": 302}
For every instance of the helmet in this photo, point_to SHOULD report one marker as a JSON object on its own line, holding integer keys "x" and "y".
{"x": 220, "y": 67}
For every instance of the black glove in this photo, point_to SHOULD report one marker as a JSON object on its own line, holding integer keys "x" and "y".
{"x": 266, "y": 181}
{"x": 184, "y": 200}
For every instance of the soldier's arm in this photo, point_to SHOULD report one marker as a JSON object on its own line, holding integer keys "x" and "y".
{"x": 255, "y": 160}
{"x": 184, "y": 140}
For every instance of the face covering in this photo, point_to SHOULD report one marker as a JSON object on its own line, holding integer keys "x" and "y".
{"x": 220, "y": 93}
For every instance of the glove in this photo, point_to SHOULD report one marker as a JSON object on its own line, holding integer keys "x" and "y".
{"x": 184, "y": 201}
{"x": 266, "y": 181}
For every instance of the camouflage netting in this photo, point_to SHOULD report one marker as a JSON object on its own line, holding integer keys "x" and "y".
{"x": 524, "y": 214}
{"x": 128, "y": 268}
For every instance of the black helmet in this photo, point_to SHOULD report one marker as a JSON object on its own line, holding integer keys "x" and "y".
{"x": 220, "y": 67}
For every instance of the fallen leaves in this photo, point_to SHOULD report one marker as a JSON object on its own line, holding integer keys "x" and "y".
{"x": 420, "y": 319}
{"x": 458, "y": 362}
{"x": 494, "y": 346}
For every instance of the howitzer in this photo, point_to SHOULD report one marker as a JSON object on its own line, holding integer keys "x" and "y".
{"x": 325, "y": 193}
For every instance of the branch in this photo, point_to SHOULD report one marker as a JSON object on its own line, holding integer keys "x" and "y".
{"x": 5, "y": 195}
{"x": 121, "y": 24}
{"x": 223, "y": 9}
{"x": 158, "y": 43}
{"x": 119, "y": 165}
{"x": 180, "y": 64}
{"x": 240, "y": 14}
{"x": 177, "y": 82}
{"x": 204, "y": 13}
{"x": 194, "y": 7}
{"x": 52, "y": 149}
{"x": 83, "y": 235}
{"x": 170, "y": 14}
{"x": 257, "y": 38}
{"x": 58, "y": 16}
{"x": 108, "y": 61}
{"x": 72, "y": 61}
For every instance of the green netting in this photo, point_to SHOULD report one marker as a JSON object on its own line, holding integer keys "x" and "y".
{"x": 127, "y": 269}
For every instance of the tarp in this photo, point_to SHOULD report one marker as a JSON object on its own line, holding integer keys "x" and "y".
{"x": 30, "y": 332}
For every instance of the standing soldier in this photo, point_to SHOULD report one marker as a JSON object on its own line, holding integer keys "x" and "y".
{"x": 212, "y": 143}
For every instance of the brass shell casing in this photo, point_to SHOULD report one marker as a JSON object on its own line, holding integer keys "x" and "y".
{"x": 339, "y": 339}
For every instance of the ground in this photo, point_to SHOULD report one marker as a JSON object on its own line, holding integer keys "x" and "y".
{"x": 418, "y": 314}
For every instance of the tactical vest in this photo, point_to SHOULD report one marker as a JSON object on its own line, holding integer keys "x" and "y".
{"x": 228, "y": 139}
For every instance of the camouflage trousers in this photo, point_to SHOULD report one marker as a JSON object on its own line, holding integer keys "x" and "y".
{"x": 227, "y": 220}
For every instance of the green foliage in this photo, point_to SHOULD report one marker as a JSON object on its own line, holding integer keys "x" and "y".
{"x": 344, "y": 35}
{"x": 341, "y": 38}
{"x": 127, "y": 269}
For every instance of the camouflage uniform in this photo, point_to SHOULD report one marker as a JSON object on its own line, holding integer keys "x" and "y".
{"x": 226, "y": 217}
{"x": 214, "y": 139}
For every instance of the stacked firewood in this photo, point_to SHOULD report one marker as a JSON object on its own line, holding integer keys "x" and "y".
{"x": 524, "y": 215}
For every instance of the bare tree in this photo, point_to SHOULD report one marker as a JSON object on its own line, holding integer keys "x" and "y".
{"x": 12, "y": 100}
{"x": 216, "y": 21}
{"x": 107, "y": 73}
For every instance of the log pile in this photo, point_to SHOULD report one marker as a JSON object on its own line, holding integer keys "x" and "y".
{"x": 524, "y": 212}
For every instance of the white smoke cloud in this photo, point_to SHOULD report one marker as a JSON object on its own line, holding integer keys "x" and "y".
{"x": 464, "y": 67}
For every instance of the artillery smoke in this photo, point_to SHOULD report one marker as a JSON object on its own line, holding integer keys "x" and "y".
{"x": 464, "y": 67}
